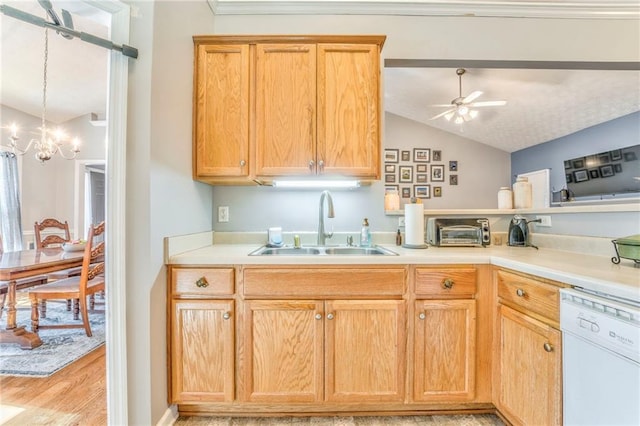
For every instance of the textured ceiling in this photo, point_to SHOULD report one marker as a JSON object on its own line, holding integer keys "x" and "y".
{"x": 541, "y": 104}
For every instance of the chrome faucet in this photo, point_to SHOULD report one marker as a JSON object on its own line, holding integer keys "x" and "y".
{"x": 322, "y": 236}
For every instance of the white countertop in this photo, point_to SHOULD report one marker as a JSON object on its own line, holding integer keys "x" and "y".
{"x": 596, "y": 273}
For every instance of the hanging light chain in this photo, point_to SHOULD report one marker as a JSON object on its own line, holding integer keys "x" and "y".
{"x": 44, "y": 84}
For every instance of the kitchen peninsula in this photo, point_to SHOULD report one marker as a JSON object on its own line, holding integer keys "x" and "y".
{"x": 423, "y": 331}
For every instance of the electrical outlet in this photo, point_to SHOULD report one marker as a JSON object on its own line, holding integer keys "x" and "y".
{"x": 545, "y": 221}
{"x": 401, "y": 221}
{"x": 223, "y": 213}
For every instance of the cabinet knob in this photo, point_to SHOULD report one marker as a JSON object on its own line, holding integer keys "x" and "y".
{"x": 329, "y": 316}
{"x": 547, "y": 347}
{"x": 202, "y": 282}
{"x": 243, "y": 163}
{"x": 226, "y": 315}
{"x": 321, "y": 164}
{"x": 448, "y": 283}
{"x": 311, "y": 164}
{"x": 422, "y": 316}
{"x": 520, "y": 292}
{"x": 318, "y": 316}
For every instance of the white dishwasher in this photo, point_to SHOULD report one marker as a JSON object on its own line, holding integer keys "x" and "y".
{"x": 600, "y": 359}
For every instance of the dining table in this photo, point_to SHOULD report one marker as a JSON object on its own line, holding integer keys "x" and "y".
{"x": 24, "y": 264}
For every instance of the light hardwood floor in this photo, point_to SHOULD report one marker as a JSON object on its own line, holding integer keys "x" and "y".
{"x": 453, "y": 420}
{"x": 75, "y": 395}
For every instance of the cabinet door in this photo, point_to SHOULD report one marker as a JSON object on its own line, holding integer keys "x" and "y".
{"x": 221, "y": 116}
{"x": 348, "y": 109}
{"x": 202, "y": 351}
{"x": 529, "y": 370}
{"x": 285, "y": 109}
{"x": 365, "y": 355}
{"x": 445, "y": 350}
{"x": 283, "y": 341}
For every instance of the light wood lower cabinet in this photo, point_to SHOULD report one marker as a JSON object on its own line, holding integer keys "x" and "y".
{"x": 334, "y": 351}
{"x": 528, "y": 353}
{"x": 445, "y": 350}
{"x": 202, "y": 342}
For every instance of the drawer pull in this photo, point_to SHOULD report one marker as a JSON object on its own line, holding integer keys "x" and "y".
{"x": 422, "y": 316}
{"x": 318, "y": 316}
{"x": 329, "y": 316}
{"x": 520, "y": 292}
{"x": 226, "y": 315}
{"x": 243, "y": 163}
{"x": 547, "y": 347}
{"x": 202, "y": 283}
{"x": 448, "y": 283}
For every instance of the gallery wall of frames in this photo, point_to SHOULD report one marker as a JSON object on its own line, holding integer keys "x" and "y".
{"x": 419, "y": 173}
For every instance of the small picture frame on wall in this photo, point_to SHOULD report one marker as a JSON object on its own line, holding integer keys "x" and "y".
{"x": 421, "y": 168}
{"x": 617, "y": 168}
{"x": 606, "y": 171}
{"x": 578, "y": 163}
{"x": 594, "y": 174}
{"x": 616, "y": 154}
{"x": 390, "y": 188}
{"x": 406, "y": 155}
{"x": 437, "y": 155}
{"x": 390, "y": 178}
{"x": 406, "y": 174}
{"x": 421, "y": 178}
{"x": 567, "y": 165}
{"x": 453, "y": 179}
{"x": 389, "y": 168}
{"x": 580, "y": 176}
{"x": 437, "y": 191}
{"x": 390, "y": 155}
{"x": 630, "y": 156}
{"x": 421, "y": 155}
{"x": 453, "y": 166}
{"x": 406, "y": 192}
{"x": 422, "y": 191}
{"x": 437, "y": 173}
{"x": 568, "y": 177}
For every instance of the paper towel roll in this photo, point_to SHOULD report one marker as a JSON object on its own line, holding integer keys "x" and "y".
{"x": 414, "y": 225}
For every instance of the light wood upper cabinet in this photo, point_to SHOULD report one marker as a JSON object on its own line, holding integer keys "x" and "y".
{"x": 348, "y": 110}
{"x": 221, "y": 111}
{"x": 275, "y": 106}
{"x": 285, "y": 109}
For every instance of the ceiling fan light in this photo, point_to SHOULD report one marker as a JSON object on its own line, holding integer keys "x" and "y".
{"x": 463, "y": 110}
{"x": 449, "y": 116}
{"x": 459, "y": 120}
{"x": 473, "y": 113}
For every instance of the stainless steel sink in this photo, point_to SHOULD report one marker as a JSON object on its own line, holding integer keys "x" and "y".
{"x": 322, "y": 251}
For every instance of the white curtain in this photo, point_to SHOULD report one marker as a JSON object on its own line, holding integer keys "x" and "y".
{"x": 10, "y": 222}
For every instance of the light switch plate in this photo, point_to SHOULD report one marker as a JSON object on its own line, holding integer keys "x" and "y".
{"x": 223, "y": 213}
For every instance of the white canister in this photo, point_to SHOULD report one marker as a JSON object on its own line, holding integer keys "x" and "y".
{"x": 522, "y": 198}
{"x": 505, "y": 198}
{"x": 391, "y": 200}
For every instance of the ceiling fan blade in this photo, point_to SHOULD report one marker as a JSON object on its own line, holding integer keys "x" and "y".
{"x": 441, "y": 105}
{"x": 471, "y": 97}
{"x": 487, "y": 103}
{"x": 442, "y": 114}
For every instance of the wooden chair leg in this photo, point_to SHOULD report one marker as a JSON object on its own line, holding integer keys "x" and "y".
{"x": 35, "y": 321}
{"x": 43, "y": 308}
{"x": 4, "y": 299}
{"x": 85, "y": 316}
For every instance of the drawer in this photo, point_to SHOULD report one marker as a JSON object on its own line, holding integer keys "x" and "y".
{"x": 530, "y": 294}
{"x": 446, "y": 282}
{"x": 324, "y": 282}
{"x": 202, "y": 281}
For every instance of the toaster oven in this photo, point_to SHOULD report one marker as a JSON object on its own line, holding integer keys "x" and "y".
{"x": 459, "y": 232}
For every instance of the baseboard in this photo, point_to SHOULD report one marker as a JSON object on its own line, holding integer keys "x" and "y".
{"x": 169, "y": 417}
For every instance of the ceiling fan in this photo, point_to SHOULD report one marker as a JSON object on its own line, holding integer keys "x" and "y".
{"x": 461, "y": 108}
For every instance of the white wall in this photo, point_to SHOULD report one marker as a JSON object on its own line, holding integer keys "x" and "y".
{"x": 162, "y": 198}
{"x": 47, "y": 189}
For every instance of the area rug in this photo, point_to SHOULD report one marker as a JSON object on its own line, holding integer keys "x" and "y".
{"x": 59, "y": 347}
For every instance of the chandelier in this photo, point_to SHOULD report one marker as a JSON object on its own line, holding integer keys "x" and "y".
{"x": 51, "y": 142}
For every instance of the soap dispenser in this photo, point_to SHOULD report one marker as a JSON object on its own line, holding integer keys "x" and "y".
{"x": 365, "y": 234}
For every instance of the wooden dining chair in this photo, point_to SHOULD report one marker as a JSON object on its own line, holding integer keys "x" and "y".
{"x": 90, "y": 281}
{"x": 21, "y": 284}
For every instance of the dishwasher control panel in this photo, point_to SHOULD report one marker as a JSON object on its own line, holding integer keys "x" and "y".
{"x": 608, "y": 323}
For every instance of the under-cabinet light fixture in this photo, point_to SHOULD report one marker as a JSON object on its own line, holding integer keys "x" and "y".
{"x": 304, "y": 184}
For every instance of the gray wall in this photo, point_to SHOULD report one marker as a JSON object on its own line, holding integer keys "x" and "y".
{"x": 614, "y": 134}
{"x": 162, "y": 200}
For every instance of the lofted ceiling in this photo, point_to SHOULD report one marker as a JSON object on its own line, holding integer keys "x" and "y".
{"x": 541, "y": 104}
